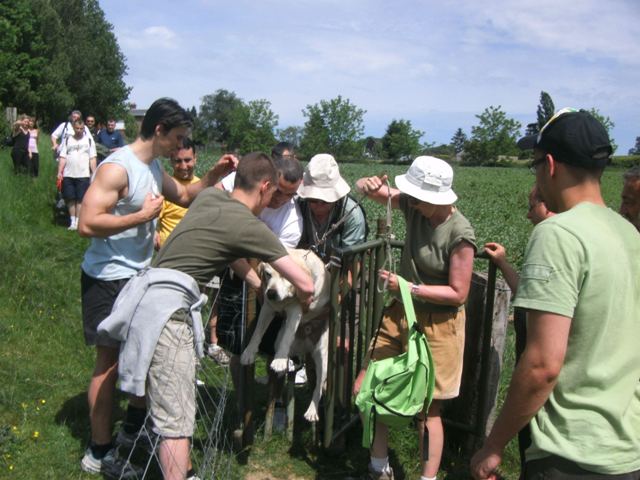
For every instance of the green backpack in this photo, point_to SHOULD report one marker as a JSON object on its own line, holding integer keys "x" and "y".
{"x": 396, "y": 389}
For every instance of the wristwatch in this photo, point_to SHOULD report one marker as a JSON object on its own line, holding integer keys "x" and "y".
{"x": 414, "y": 289}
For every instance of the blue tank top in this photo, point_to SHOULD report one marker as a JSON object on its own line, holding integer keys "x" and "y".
{"x": 122, "y": 255}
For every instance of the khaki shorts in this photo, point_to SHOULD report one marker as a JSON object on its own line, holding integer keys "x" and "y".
{"x": 445, "y": 334}
{"x": 171, "y": 390}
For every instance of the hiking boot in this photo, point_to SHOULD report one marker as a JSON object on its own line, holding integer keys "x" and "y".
{"x": 384, "y": 475}
{"x": 112, "y": 464}
{"x": 144, "y": 438}
{"x": 217, "y": 353}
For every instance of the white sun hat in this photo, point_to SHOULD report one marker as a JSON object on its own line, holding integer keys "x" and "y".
{"x": 428, "y": 179}
{"x": 322, "y": 180}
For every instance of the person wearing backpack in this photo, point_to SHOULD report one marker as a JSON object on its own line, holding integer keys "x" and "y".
{"x": 437, "y": 260}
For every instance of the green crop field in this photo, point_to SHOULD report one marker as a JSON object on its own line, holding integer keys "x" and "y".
{"x": 45, "y": 366}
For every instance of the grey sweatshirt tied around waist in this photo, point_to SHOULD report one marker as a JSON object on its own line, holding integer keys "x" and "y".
{"x": 139, "y": 314}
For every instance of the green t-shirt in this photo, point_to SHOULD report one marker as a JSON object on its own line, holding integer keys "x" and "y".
{"x": 584, "y": 264}
{"x": 216, "y": 231}
{"x": 427, "y": 250}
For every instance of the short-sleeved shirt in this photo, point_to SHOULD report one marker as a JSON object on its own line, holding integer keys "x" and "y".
{"x": 217, "y": 230}
{"x": 110, "y": 140}
{"x": 77, "y": 153}
{"x": 285, "y": 222}
{"x": 584, "y": 264}
{"x": 426, "y": 255}
{"x": 171, "y": 214}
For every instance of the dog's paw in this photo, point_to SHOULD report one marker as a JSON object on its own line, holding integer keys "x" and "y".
{"x": 248, "y": 357}
{"x": 280, "y": 365}
{"x": 311, "y": 415}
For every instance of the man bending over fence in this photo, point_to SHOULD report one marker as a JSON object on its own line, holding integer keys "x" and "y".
{"x": 159, "y": 309}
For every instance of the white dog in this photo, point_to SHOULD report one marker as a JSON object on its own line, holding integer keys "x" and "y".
{"x": 301, "y": 332}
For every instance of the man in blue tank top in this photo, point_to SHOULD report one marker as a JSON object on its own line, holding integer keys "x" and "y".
{"x": 119, "y": 213}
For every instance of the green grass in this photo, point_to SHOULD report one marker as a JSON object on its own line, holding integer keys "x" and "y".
{"x": 45, "y": 366}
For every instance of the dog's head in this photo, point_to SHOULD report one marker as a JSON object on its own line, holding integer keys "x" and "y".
{"x": 276, "y": 288}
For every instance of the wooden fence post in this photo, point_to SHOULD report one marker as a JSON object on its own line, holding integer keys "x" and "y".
{"x": 469, "y": 417}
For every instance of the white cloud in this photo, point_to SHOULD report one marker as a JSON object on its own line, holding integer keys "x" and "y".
{"x": 150, "y": 38}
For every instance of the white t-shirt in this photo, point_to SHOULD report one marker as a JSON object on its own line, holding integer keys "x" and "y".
{"x": 285, "y": 222}
{"x": 57, "y": 133}
{"x": 228, "y": 181}
{"x": 77, "y": 153}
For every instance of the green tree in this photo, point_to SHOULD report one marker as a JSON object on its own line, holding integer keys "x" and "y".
{"x": 292, "y": 134}
{"x": 458, "y": 140}
{"x": 333, "y": 126}
{"x": 252, "y": 127}
{"x": 401, "y": 141}
{"x": 495, "y": 135}
{"x": 635, "y": 150}
{"x": 216, "y": 111}
{"x": 545, "y": 110}
{"x": 60, "y": 54}
{"x": 607, "y": 123}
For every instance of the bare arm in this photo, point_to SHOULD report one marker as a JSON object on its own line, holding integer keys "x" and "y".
{"x": 498, "y": 255}
{"x": 456, "y": 292}
{"x": 532, "y": 382}
{"x": 108, "y": 186}
{"x": 183, "y": 195}
{"x": 92, "y": 164}
{"x": 61, "y": 164}
{"x": 300, "y": 279}
{"x": 243, "y": 269}
{"x": 377, "y": 190}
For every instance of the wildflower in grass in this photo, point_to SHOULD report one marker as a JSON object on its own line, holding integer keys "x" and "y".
{"x": 23, "y": 405}
{"x": 10, "y": 468}
{"x": 42, "y": 401}
{"x": 35, "y": 435}
{"x": 14, "y": 428}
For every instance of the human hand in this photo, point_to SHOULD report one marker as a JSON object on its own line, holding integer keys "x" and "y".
{"x": 393, "y": 280}
{"x": 369, "y": 185}
{"x": 305, "y": 300}
{"x": 484, "y": 463}
{"x": 59, "y": 182}
{"x": 156, "y": 241}
{"x": 226, "y": 164}
{"x": 151, "y": 206}
{"x": 496, "y": 252}
{"x": 358, "y": 382}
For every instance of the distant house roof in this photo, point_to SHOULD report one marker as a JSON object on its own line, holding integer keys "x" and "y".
{"x": 138, "y": 112}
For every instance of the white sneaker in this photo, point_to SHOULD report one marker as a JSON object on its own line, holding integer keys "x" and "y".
{"x": 218, "y": 354}
{"x": 292, "y": 366}
{"x": 73, "y": 226}
{"x": 301, "y": 377}
{"x": 112, "y": 464}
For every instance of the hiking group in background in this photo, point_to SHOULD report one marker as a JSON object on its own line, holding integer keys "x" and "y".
{"x": 574, "y": 398}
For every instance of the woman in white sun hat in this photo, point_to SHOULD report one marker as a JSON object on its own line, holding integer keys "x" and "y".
{"x": 437, "y": 260}
{"x": 323, "y": 199}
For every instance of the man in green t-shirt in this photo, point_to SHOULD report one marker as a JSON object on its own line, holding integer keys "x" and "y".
{"x": 577, "y": 380}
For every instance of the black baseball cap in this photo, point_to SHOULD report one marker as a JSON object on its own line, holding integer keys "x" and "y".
{"x": 574, "y": 137}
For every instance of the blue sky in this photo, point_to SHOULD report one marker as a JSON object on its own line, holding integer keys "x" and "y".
{"x": 436, "y": 63}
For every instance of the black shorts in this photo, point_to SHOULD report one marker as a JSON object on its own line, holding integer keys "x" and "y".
{"x": 74, "y": 188}
{"x": 230, "y": 327}
{"x": 98, "y": 297}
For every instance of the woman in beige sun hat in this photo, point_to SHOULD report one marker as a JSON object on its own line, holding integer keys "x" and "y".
{"x": 437, "y": 260}
{"x": 323, "y": 199}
